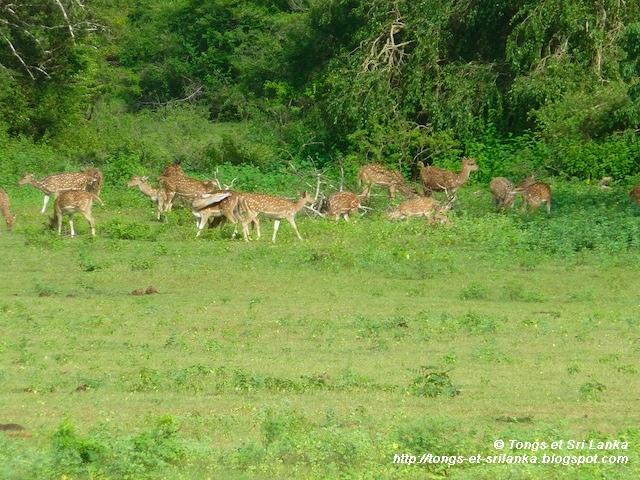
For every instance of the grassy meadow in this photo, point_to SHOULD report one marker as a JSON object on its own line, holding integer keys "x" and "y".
{"x": 319, "y": 359}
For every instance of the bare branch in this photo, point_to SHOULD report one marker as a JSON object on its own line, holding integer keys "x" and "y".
{"x": 66, "y": 19}
{"x": 17, "y": 55}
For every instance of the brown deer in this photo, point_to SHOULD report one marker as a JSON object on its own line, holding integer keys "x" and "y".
{"x": 342, "y": 204}
{"x": 69, "y": 202}
{"x": 210, "y": 210}
{"x": 436, "y": 179}
{"x": 380, "y": 176}
{"x": 278, "y": 208}
{"x": 54, "y": 184}
{"x": 534, "y": 193}
{"x": 503, "y": 193}
{"x": 420, "y": 206}
{"x": 5, "y": 206}
{"x": 96, "y": 180}
{"x": 185, "y": 187}
{"x": 635, "y": 194}
{"x": 173, "y": 170}
{"x": 157, "y": 195}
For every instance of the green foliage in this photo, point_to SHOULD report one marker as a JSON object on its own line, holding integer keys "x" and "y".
{"x": 431, "y": 382}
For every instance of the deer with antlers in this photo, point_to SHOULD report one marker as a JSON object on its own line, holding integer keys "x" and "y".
{"x": 534, "y": 193}
{"x": 502, "y": 190}
{"x": 635, "y": 194}
{"x": 380, "y": 176}
{"x": 156, "y": 195}
{"x": 436, "y": 179}
{"x": 53, "y": 184}
{"x": 70, "y": 202}
{"x": 278, "y": 208}
{"x": 420, "y": 206}
{"x": 5, "y": 209}
{"x": 223, "y": 206}
{"x": 341, "y": 204}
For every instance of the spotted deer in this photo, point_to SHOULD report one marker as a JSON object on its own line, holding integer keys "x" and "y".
{"x": 380, "y": 176}
{"x": 69, "y": 202}
{"x": 436, "y": 179}
{"x": 342, "y": 204}
{"x": 534, "y": 193}
{"x": 185, "y": 187}
{"x": 419, "y": 206}
{"x": 156, "y": 195}
{"x": 5, "y": 209}
{"x": 95, "y": 180}
{"x": 172, "y": 170}
{"x": 278, "y": 208}
{"x": 635, "y": 194}
{"x": 54, "y": 184}
{"x": 209, "y": 210}
{"x": 503, "y": 192}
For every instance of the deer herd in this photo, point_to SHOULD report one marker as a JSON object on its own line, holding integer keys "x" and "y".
{"x": 213, "y": 205}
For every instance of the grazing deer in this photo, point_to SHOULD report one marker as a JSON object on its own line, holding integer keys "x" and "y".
{"x": 420, "y": 206}
{"x": 436, "y": 179}
{"x": 342, "y": 204}
{"x": 5, "y": 209}
{"x": 210, "y": 210}
{"x": 605, "y": 183}
{"x": 534, "y": 193}
{"x": 184, "y": 186}
{"x": 278, "y": 208}
{"x": 635, "y": 194}
{"x": 54, "y": 184}
{"x": 376, "y": 174}
{"x": 503, "y": 193}
{"x": 69, "y": 202}
{"x": 157, "y": 195}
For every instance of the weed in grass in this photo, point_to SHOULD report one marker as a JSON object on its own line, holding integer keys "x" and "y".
{"x": 516, "y": 292}
{"x": 474, "y": 291}
{"x": 45, "y": 289}
{"x": 478, "y": 323}
{"x": 140, "y": 264}
{"x": 592, "y": 390}
{"x": 573, "y": 368}
{"x": 489, "y": 352}
{"x": 432, "y": 382}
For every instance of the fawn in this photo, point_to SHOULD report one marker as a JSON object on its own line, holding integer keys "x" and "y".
{"x": 342, "y": 204}
{"x": 69, "y": 202}
{"x": 157, "y": 195}
{"x": 534, "y": 193}
{"x": 436, "y": 179}
{"x": 376, "y": 174}
{"x": 53, "y": 184}
{"x": 278, "y": 208}
{"x": 5, "y": 206}
{"x": 503, "y": 192}
{"x": 420, "y": 206}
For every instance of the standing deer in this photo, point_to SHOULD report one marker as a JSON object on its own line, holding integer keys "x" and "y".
{"x": 5, "y": 206}
{"x": 96, "y": 179}
{"x": 436, "y": 179}
{"x": 54, "y": 184}
{"x": 157, "y": 195}
{"x": 534, "y": 193}
{"x": 210, "y": 210}
{"x": 184, "y": 186}
{"x": 69, "y": 202}
{"x": 503, "y": 193}
{"x": 278, "y": 208}
{"x": 635, "y": 194}
{"x": 342, "y": 204}
{"x": 420, "y": 206}
{"x": 376, "y": 174}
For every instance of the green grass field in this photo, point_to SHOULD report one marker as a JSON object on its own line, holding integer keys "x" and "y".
{"x": 319, "y": 359}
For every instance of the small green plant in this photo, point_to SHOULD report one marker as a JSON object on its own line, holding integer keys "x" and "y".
{"x": 592, "y": 390}
{"x": 474, "y": 292}
{"x": 433, "y": 382}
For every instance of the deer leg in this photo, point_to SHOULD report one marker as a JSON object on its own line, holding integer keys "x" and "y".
{"x": 44, "y": 206}
{"x": 73, "y": 232}
{"x": 256, "y": 225}
{"x": 202, "y": 221}
{"x": 92, "y": 222}
{"x": 292, "y": 222}
{"x": 59, "y": 218}
{"x": 346, "y": 217}
{"x": 548, "y": 207}
{"x": 276, "y": 225}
